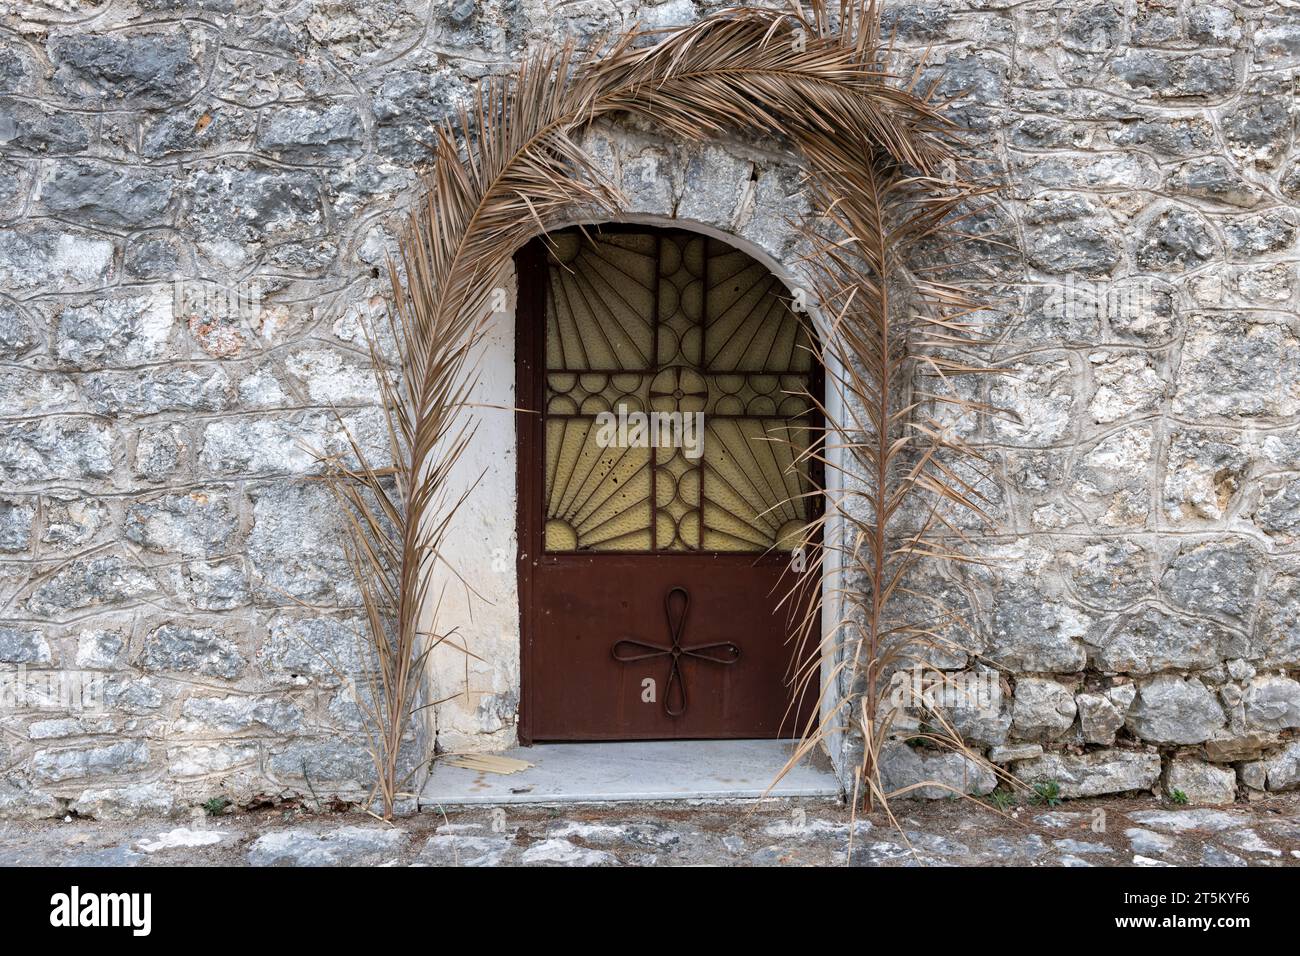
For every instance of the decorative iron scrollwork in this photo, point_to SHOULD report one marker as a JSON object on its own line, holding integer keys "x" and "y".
{"x": 718, "y": 652}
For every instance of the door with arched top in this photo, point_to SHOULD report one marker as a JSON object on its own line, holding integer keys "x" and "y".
{"x": 662, "y": 486}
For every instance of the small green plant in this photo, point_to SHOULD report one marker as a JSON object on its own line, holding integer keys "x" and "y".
{"x": 1047, "y": 794}
{"x": 1178, "y": 797}
{"x": 216, "y": 806}
{"x": 1002, "y": 798}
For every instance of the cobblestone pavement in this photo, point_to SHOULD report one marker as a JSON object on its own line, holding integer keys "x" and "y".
{"x": 1116, "y": 832}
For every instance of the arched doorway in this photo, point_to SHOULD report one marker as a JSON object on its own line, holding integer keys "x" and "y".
{"x": 664, "y": 379}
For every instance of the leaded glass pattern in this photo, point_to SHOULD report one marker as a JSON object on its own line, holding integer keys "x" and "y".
{"x": 672, "y": 322}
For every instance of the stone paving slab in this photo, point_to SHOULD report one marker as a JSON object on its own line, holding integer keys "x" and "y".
{"x": 640, "y": 772}
{"x": 1116, "y": 832}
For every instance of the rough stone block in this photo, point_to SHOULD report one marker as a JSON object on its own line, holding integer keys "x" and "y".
{"x": 100, "y": 649}
{"x": 1071, "y": 236}
{"x": 56, "y": 449}
{"x": 1230, "y": 748}
{"x": 1172, "y": 710}
{"x": 35, "y": 257}
{"x": 1099, "y": 718}
{"x": 342, "y": 846}
{"x": 1283, "y": 770}
{"x": 124, "y": 330}
{"x": 198, "y": 650}
{"x": 1278, "y": 635}
{"x": 21, "y": 802}
{"x": 1238, "y": 364}
{"x": 1206, "y": 469}
{"x": 154, "y": 69}
{"x": 312, "y": 135}
{"x": 19, "y": 332}
{"x": 1151, "y": 640}
{"x": 1010, "y": 752}
{"x": 1249, "y": 237}
{"x": 1043, "y": 709}
{"x": 1093, "y": 774}
{"x": 23, "y": 645}
{"x": 110, "y": 760}
{"x": 1113, "y": 477}
{"x": 253, "y": 205}
{"x": 229, "y": 715}
{"x": 159, "y": 452}
{"x": 1175, "y": 241}
{"x": 408, "y": 104}
{"x": 296, "y": 546}
{"x": 1214, "y": 179}
{"x": 40, "y": 129}
{"x": 338, "y": 764}
{"x": 125, "y": 803}
{"x": 302, "y": 649}
{"x": 17, "y": 516}
{"x": 1169, "y": 75}
{"x": 201, "y": 523}
{"x": 902, "y": 766}
{"x": 1201, "y": 782}
{"x": 107, "y": 194}
{"x": 91, "y": 582}
{"x": 1110, "y": 573}
{"x": 199, "y": 760}
{"x": 1272, "y": 703}
{"x": 1216, "y": 578}
{"x": 213, "y": 585}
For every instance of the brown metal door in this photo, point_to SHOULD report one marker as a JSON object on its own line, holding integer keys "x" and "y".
{"x": 658, "y": 473}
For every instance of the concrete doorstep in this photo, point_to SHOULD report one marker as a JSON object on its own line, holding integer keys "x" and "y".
{"x": 637, "y": 771}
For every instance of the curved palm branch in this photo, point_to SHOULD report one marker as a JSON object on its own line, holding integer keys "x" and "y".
{"x": 509, "y": 167}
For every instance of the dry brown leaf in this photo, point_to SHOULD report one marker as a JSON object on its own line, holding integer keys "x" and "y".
{"x": 486, "y": 763}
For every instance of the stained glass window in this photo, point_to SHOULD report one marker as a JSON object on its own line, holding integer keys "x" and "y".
{"x": 676, "y": 397}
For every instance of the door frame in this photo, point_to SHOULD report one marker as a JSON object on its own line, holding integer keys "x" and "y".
{"x": 530, "y": 314}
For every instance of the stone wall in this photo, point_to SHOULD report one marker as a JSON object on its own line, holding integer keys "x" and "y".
{"x": 1144, "y": 590}
{"x": 157, "y": 522}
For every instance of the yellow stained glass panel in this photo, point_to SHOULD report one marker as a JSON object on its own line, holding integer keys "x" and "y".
{"x": 676, "y": 405}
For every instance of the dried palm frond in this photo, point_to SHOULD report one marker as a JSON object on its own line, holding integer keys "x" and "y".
{"x": 509, "y": 168}
{"x": 899, "y": 492}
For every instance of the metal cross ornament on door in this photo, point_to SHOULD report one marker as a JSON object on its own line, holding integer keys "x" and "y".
{"x": 718, "y": 652}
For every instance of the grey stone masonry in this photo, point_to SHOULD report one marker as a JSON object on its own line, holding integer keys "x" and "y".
{"x": 196, "y": 204}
